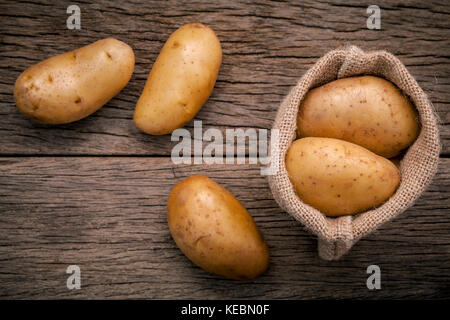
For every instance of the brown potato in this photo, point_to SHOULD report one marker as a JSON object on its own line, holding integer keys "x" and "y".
{"x": 73, "y": 85}
{"x": 214, "y": 230}
{"x": 368, "y": 111}
{"x": 181, "y": 80}
{"x": 338, "y": 177}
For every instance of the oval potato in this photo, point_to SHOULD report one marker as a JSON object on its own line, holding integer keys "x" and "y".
{"x": 73, "y": 85}
{"x": 214, "y": 230}
{"x": 338, "y": 177}
{"x": 181, "y": 80}
{"x": 368, "y": 111}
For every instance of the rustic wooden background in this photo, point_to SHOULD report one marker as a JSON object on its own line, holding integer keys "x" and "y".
{"x": 93, "y": 193}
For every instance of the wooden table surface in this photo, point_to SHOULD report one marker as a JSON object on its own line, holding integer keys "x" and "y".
{"x": 93, "y": 193}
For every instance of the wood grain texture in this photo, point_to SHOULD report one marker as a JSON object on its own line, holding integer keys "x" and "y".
{"x": 267, "y": 47}
{"x": 93, "y": 193}
{"x": 108, "y": 215}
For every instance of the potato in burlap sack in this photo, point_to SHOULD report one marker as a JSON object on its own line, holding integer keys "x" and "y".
{"x": 337, "y": 235}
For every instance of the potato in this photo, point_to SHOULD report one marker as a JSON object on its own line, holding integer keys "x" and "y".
{"x": 181, "y": 80}
{"x": 338, "y": 177}
{"x": 368, "y": 111}
{"x": 214, "y": 230}
{"x": 71, "y": 86}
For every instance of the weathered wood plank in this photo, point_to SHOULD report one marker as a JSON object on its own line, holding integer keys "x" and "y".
{"x": 267, "y": 46}
{"x": 107, "y": 215}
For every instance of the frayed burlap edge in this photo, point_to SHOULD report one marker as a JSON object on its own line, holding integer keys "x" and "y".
{"x": 337, "y": 235}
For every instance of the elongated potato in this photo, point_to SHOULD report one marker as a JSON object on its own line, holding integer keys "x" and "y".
{"x": 73, "y": 85}
{"x": 181, "y": 80}
{"x": 338, "y": 177}
{"x": 367, "y": 110}
{"x": 214, "y": 230}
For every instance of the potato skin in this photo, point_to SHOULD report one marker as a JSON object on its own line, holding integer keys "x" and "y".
{"x": 181, "y": 80}
{"x": 214, "y": 230}
{"x": 338, "y": 177}
{"x": 71, "y": 86}
{"x": 368, "y": 111}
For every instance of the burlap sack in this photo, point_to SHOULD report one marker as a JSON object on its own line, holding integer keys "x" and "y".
{"x": 337, "y": 235}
